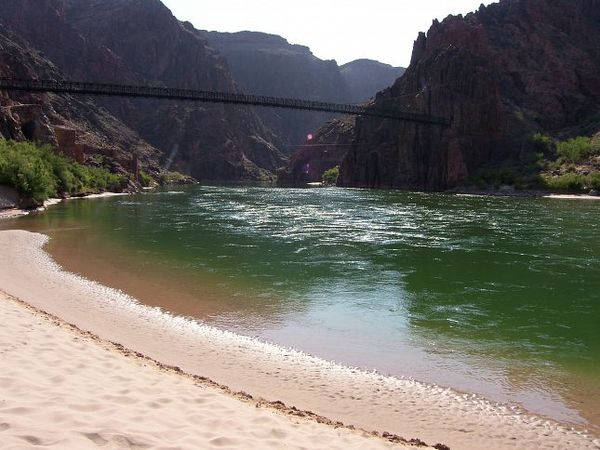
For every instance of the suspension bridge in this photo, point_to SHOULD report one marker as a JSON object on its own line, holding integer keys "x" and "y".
{"x": 118, "y": 90}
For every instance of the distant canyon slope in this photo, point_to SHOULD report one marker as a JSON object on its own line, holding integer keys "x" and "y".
{"x": 501, "y": 74}
{"x": 267, "y": 64}
{"x": 141, "y": 42}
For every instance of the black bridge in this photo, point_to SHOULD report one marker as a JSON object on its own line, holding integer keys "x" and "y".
{"x": 74, "y": 87}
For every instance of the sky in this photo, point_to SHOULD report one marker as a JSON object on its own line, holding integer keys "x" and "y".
{"x": 343, "y": 30}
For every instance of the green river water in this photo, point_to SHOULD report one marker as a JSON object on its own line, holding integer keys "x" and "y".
{"x": 497, "y": 296}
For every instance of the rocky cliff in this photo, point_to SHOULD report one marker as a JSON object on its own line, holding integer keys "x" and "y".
{"x": 140, "y": 42}
{"x": 322, "y": 152}
{"x": 267, "y": 64}
{"x": 507, "y": 71}
{"x": 63, "y": 121}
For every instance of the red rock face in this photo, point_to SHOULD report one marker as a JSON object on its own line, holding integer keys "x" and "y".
{"x": 29, "y": 116}
{"x": 325, "y": 151}
{"x": 140, "y": 42}
{"x": 501, "y": 74}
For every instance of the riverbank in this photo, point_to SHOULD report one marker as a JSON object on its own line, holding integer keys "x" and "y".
{"x": 11, "y": 213}
{"x": 134, "y": 401}
{"x": 573, "y": 196}
{"x": 365, "y": 400}
{"x": 510, "y": 191}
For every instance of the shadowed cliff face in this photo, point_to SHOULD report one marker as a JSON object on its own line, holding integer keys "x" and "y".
{"x": 140, "y": 42}
{"x": 325, "y": 151}
{"x": 267, "y": 64}
{"x": 501, "y": 74}
{"x": 36, "y": 117}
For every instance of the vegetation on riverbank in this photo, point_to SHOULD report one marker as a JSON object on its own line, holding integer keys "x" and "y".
{"x": 571, "y": 165}
{"x": 165, "y": 178}
{"x": 38, "y": 173}
{"x": 330, "y": 176}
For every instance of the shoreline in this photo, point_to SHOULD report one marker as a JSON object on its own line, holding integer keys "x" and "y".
{"x": 365, "y": 400}
{"x": 282, "y": 423}
{"x": 513, "y": 193}
{"x": 12, "y": 213}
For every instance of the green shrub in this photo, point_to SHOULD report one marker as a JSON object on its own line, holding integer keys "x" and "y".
{"x": 23, "y": 167}
{"x": 575, "y": 149}
{"x": 571, "y": 182}
{"x": 543, "y": 144}
{"x": 145, "y": 179}
{"x": 330, "y": 176}
{"x": 172, "y": 177}
{"x": 39, "y": 173}
{"x": 496, "y": 178}
{"x": 595, "y": 145}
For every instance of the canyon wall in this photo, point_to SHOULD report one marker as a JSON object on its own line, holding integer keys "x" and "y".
{"x": 267, "y": 64}
{"x": 140, "y": 42}
{"x": 101, "y": 137}
{"x": 501, "y": 74}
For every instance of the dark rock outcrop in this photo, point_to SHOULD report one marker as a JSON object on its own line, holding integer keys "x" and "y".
{"x": 140, "y": 42}
{"x": 9, "y": 198}
{"x": 323, "y": 152}
{"x": 501, "y": 74}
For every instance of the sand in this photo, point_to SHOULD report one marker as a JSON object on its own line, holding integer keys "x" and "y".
{"x": 366, "y": 400}
{"x": 66, "y": 390}
{"x": 11, "y": 213}
{"x": 573, "y": 196}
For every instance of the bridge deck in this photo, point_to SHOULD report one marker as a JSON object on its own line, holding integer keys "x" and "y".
{"x": 74, "y": 87}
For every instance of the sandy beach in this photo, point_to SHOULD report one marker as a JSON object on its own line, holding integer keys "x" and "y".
{"x": 573, "y": 196}
{"x": 364, "y": 400}
{"x": 62, "y": 388}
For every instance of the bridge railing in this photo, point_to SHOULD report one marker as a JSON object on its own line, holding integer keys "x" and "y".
{"x": 74, "y": 87}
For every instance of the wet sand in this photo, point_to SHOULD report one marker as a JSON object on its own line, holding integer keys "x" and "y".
{"x": 366, "y": 400}
{"x": 12, "y": 213}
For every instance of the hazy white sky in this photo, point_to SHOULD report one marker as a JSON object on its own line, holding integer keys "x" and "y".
{"x": 343, "y": 30}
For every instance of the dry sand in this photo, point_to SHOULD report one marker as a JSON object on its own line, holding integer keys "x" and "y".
{"x": 367, "y": 400}
{"x": 573, "y": 196}
{"x": 66, "y": 390}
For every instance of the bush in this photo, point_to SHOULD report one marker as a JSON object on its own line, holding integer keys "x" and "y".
{"x": 172, "y": 177}
{"x": 575, "y": 149}
{"x": 39, "y": 173}
{"x": 595, "y": 144}
{"x": 23, "y": 167}
{"x": 330, "y": 176}
{"x": 145, "y": 179}
{"x": 543, "y": 144}
{"x": 495, "y": 178}
{"x": 572, "y": 182}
